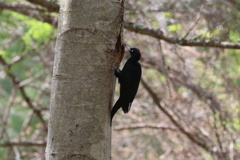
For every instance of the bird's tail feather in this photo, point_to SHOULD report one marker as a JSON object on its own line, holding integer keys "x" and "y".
{"x": 115, "y": 109}
{"x": 126, "y": 107}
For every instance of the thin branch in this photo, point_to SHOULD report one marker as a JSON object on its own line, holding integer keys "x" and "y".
{"x": 145, "y": 125}
{"x": 197, "y": 89}
{"x": 29, "y": 80}
{"x": 30, "y": 11}
{"x": 51, "y": 6}
{"x": 165, "y": 68}
{"x": 16, "y": 82}
{"x": 164, "y": 155}
{"x": 17, "y": 59}
{"x": 234, "y": 3}
{"x": 25, "y": 144}
{"x": 140, "y": 148}
{"x": 180, "y": 41}
{"x": 193, "y": 137}
{"x": 202, "y": 93}
{"x": 25, "y": 124}
{"x": 7, "y": 111}
{"x": 19, "y": 6}
{"x": 181, "y": 78}
{"x": 194, "y": 25}
{"x": 14, "y": 148}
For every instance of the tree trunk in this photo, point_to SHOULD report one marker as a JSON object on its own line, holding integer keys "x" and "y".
{"x": 88, "y": 47}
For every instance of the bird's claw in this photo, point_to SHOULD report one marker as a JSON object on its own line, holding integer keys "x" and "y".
{"x": 116, "y": 71}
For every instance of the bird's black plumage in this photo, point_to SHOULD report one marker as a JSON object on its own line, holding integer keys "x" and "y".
{"x": 129, "y": 79}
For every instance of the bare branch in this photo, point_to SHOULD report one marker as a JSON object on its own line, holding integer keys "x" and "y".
{"x": 181, "y": 78}
{"x": 26, "y": 144}
{"x": 194, "y": 25}
{"x": 234, "y": 4}
{"x": 145, "y": 125}
{"x": 193, "y": 137}
{"x": 19, "y": 6}
{"x": 25, "y": 124}
{"x": 51, "y": 6}
{"x": 7, "y": 112}
{"x": 183, "y": 42}
{"x": 16, "y": 82}
{"x": 29, "y": 10}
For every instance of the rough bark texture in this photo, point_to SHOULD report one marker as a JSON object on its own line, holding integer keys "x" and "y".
{"x": 88, "y": 48}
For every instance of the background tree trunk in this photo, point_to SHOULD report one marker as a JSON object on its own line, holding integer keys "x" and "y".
{"x": 88, "y": 45}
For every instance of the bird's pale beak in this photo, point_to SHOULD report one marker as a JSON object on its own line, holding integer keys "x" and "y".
{"x": 129, "y": 48}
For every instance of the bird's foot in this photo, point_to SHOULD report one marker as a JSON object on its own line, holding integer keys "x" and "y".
{"x": 117, "y": 71}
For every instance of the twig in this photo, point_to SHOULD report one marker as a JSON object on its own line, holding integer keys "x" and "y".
{"x": 143, "y": 145}
{"x": 193, "y": 137}
{"x": 14, "y": 148}
{"x": 145, "y": 125}
{"x": 20, "y": 6}
{"x": 17, "y": 59}
{"x": 28, "y": 11}
{"x": 16, "y": 151}
{"x": 164, "y": 155}
{"x": 29, "y": 80}
{"x": 180, "y": 41}
{"x": 165, "y": 68}
{"x": 24, "y": 143}
{"x": 53, "y": 7}
{"x": 25, "y": 125}
{"x": 16, "y": 82}
{"x": 194, "y": 25}
{"x": 7, "y": 111}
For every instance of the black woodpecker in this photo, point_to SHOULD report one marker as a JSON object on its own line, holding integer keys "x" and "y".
{"x": 129, "y": 79}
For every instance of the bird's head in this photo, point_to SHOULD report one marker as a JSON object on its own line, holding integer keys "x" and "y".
{"x": 135, "y": 53}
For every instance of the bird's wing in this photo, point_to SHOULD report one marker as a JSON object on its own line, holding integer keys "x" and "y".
{"x": 136, "y": 76}
{"x": 126, "y": 75}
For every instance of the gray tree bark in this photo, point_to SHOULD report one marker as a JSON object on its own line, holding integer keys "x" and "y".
{"x": 88, "y": 47}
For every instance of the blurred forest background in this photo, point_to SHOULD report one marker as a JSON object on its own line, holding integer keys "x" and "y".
{"x": 187, "y": 107}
